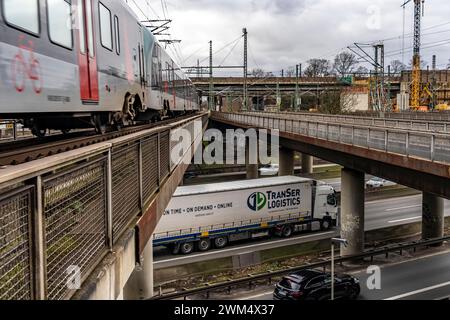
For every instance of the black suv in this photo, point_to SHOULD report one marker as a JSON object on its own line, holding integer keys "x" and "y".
{"x": 316, "y": 286}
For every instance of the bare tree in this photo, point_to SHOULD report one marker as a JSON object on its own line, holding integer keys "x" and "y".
{"x": 290, "y": 72}
{"x": 362, "y": 70}
{"x": 258, "y": 73}
{"x": 338, "y": 102}
{"x": 423, "y": 64}
{"x": 397, "y": 66}
{"x": 318, "y": 68}
{"x": 448, "y": 66}
{"x": 345, "y": 63}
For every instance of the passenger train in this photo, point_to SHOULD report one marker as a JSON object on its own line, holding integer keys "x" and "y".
{"x": 68, "y": 64}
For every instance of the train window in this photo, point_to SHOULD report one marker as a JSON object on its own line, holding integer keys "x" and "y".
{"x": 59, "y": 17}
{"x": 90, "y": 31}
{"x": 117, "y": 34}
{"x": 105, "y": 27}
{"x": 22, "y": 14}
{"x": 81, "y": 27}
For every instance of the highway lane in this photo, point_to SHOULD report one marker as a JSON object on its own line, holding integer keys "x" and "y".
{"x": 395, "y": 212}
{"x": 426, "y": 278}
{"x": 379, "y": 214}
{"x": 166, "y": 261}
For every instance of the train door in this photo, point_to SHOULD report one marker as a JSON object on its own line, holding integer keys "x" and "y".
{"x": 87, "y": 55}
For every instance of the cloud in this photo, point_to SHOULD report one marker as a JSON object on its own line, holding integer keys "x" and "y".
{"x": 283, "y": 33}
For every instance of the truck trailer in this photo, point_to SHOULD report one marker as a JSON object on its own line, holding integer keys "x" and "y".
{"x": 214, "y": 215}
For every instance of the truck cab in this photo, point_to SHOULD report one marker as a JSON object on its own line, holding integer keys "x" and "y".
{"x": 326, "y": 205}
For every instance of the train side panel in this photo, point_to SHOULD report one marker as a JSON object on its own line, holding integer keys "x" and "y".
{"x": 36, "y": 74}
{"x": 44, "y": 65}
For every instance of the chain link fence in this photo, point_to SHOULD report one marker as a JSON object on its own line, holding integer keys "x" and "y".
{"x": 75, "y": 224}
{"x": 15, "y": 245}
{"x": 67, "y": 214}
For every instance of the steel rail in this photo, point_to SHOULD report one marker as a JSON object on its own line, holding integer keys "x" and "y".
{"x": 32, "y": 149}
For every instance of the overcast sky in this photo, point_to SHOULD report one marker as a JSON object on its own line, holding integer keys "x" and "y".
{"x": 283, "y": 33}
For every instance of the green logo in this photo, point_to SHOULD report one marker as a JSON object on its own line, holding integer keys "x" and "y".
{"x": 257, "y": 201}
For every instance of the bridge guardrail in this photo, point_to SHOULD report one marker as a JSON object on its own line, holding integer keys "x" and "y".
{"x": 425, "y": 145}
{"x": 61, "y": 215}
{"x": 404, "y": 124}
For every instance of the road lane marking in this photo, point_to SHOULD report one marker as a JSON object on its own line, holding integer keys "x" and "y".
{"x": 402, "y": 208}
{"x": 258, "y": 295}
{"x": 413, "y": 293}
{"x": 406, "y": 219}
{"x": 395, "y": 198}
{"x": 246, "y": 247}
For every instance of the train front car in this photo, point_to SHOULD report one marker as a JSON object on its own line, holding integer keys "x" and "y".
{"x": 83, "y": 63}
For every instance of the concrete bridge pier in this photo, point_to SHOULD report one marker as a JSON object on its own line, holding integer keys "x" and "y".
{"x": 140, "y": 285}
{"x": 432, "y": 216}
{"x": 251, "y": 160}
{"x": 286, "y": 162}
{"x": 352, "y": 211}
{"x": 307, "y": 164}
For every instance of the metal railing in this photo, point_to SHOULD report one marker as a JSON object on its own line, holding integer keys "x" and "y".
{"x": 252, "y": 279}
{"x": 430, "y": 146}
{"x": 403, "y": 124}
{"x": 61, "y": 215}
{"x": 9, "y": 130}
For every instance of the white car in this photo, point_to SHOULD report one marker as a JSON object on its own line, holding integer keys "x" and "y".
{"x": 270, "y": 170}
{"x": 378, "y": 183}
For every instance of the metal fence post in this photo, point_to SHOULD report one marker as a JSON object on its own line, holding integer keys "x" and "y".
{"x": 353, "y": 135}
{"x": 40, "y": 279}
{"x": 386, "y": 140}
{"x": 15, "y": 130}
{"x": 140, "y": 173}
{"x": 159, "y": 159}
{"x": 433, "y": 147}
{"x": 407, "y": 144}
{"x": 109, "y": 205}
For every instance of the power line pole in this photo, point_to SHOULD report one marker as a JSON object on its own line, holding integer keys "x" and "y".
{"x": 434, "y": 84}
{"x": 245, "y": 102}
{"x": 198, "y": 68}
{"x": 211, "y": 85}
{"x": 297, "y": 74}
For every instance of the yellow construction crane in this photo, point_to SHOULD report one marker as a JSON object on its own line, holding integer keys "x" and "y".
{"x": 416, "y": 72}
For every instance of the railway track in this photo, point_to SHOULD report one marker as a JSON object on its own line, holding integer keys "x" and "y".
{"x": 23, "y": 151}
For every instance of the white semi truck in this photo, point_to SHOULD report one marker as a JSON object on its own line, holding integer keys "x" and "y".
{"x": 211, "y": 216}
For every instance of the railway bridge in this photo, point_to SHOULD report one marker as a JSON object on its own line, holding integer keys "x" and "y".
{"x": 411, "y": 152}
{"x": 263, "y": 91}
{"x": 78, "y": 224}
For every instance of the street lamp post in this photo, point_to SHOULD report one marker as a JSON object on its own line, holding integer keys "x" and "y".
{"x": 335, "y": 241}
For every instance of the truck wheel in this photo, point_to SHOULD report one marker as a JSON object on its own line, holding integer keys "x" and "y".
{"x": 325, "y": 224}
{"x": 286, "y": 232}
{"x": 204, "y": 245}
{"x": 220, "y": 242}
{"x": 187, "y": 248}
